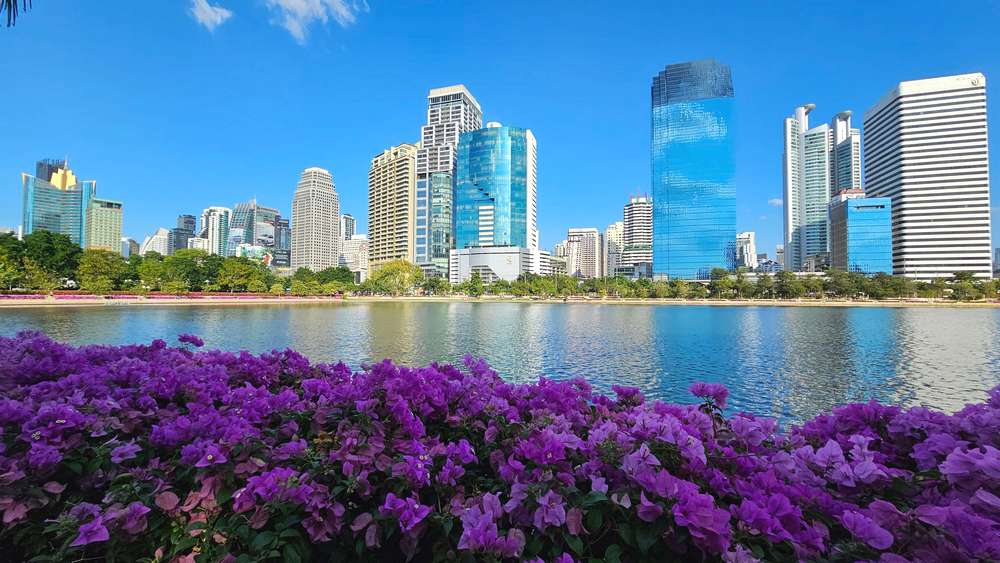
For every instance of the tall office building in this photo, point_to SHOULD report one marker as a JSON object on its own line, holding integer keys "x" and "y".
{"x": 451, "y": 111}
{"x": 347, "y": 226}
{"x": 185, "y": 229}
{"x": 693, "y": 170}
{"x": 158, "y": 242}
{"x": 583, "y": 253}
{"x": 996, "y": 261}
{"x": 391, "y": 203}
{"x": 104, "y": 224}
{"x": 817, "y": 163}
{"x": 638, "y": 245}
{"x": 282, "y": 243}
{"x": 256, "y": 223}
{"x": 355, "y": 256}
{"x": 614, "y": 241}
{"x": 215, "y": 228}
{"x": 746, "y": 250}
{"x": 927, "y": 151}
{"x": 316, "y": 240}
{"x": 860, "y": 233}
{"x": 56, "y": 201}
{"x": 128, "y": 247}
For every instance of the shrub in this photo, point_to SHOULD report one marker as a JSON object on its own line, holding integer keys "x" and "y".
{"x": 123, "y": 452}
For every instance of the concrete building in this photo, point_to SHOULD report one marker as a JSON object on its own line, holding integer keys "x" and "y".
{"x": 185, "y": 229}
{"x": 256, "y": 223}
{"x": 746, "y": 250}
{"x": 104, "y": 224}
{"x": 860, "y": 233}
{"x": 128, "y": 247}
{"x": 492, "y": 263}
{"x": 158, "y": 242}
{"x": 215, "y": 228}
{"x": 927, "y": 150}
{"x": 638, "y": 235}
{"x": 55, "y": 200}
{"x": 199, "y": 243}
{"x": 355, "y": 256}
{"x": 391, "y": 205}
{"x": 817, "y": 163}
{"x": 779, "y": 254}
{"x": 614, "y": 242}
{"x": 347, "y": 226}
{"x": 316, "y": 240}
{"x": 583, "y": 253}
{"x": 451, "y": 111}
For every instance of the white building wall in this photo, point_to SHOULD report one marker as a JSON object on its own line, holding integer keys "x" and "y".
{"x": 316, "y": 239}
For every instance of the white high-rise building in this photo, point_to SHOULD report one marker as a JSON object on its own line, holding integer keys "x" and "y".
{"x": 927, "y": 150}
{"x": 347, "y": 226}
{"x": 215, "y": 227}
{"x": 583, "y": 253}
{"x": 746, "y": 250}
{"x": 451, "y": 111}
{"x": 355, "y": 256}
{"x": 391, "y": 199}
{"x": 156, "y": 242}
{"x": 614, "y": 241}
{"x": 817, "y": 164}
{"x": 198, "y": 243}
{"x": 316, "y": 240}
{"x": 638, "y": 246}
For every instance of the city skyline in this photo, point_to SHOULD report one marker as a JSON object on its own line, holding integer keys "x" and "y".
{"x": 573, "y": 191}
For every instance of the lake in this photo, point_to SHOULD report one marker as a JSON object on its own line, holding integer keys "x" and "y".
{"x": 787, "y": 362}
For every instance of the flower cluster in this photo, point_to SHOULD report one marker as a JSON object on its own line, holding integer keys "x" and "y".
{"x": 197, "y": 455}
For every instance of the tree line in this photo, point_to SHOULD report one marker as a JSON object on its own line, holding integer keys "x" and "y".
{"x": 45, "y": 261}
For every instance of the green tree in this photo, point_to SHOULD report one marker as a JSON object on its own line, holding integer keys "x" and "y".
{"x": 54, "y": 252}
{"x": 12, "y": 247}
{"x": 813, "y": 286}
{"x": 964, "y": 277}
{"x": 37, "y": 278}
{"x": 340, "y": 274}
{"x": 680, "y": 289}
{"x": 303, "y": 288}
{"x": 175, "y": 286}
{"x": 698, "y": 291}
{"x": 721, "y": 285}
{"x": 238, "y": 273}
{"x": 964, "y": 290}
{"x": 152, "y": 273}
{"x": 396, "y": 277}
{"x": 788, "y": 285}
{"x": 474, "y": 286}
{"x": 741, "y": 285}
{"x": 101, "y": 271}
{"x": 277, "y": 288}
{"x": 764, "y": 287}
{"x": 435, "y": 285}
{"x": 257, "y": 285}
{"x": 10, "y": 270}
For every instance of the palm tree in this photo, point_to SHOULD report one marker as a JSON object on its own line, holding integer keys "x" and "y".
{"x": 10, "y": 6}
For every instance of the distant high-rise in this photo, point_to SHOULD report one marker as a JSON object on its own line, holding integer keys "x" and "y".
{"x": 185, "y": 229}
{"x": 355, "y": 256}
{"x": 746, "y": 250}
{"x": 282, "y": 243}
{"x": 316, "y": 240}
{"x": 860, "y": 233}
{"x": 693, "y": 170}
{"x": 215, "y": 228}
{"x": 926, "y": 149}
{"x": 129, "y": 247}
{"x": 158, "y": 242}
{"x": 817, "y": 164}
{"x": 256, "y": 223}
{"x": 583, "y": 253}
{"x": 996, "y": 260}
{"x": 392, "y": 184}
{"x": 187, "y": 222}
{"x": 104, "y": 224}
{"x": 56, "y": 202}
{"x": 638, "y": 243}
{"x": 614, "y": 241}
{"x": 451, "y": 111}
{"x": 347, "y": 226}
{"x": 779, "y": 254}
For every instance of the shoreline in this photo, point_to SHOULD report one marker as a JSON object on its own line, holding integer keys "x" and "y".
{"x": 50, "y": 302}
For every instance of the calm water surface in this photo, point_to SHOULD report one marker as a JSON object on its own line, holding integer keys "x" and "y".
{"x": 788, "y": 362}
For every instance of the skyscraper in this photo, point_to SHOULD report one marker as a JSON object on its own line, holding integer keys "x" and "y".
{"x": 186, "y": 226}
{"x": 926, "y": 149}
{"x": 817, "y": 164}
{"x": 391, "y": 197}
{"x": 316, "y": 240}
{"x": 104, "y": 224}
{"x": 282, "y": 243}
{"x": 347, "y": 226}
{"x": 583, "y": 253}
{"x": 614, "y": 241}
{"x": 693, "y": 169}
{"x": 638, "y": 243}
{"x": 56, "y": 202}
{"x": 860, "y": 233}
{"x": 451, "y": 111}
{"x": 158, "y": 242}
{"x": 746, "y": 250}
{"x": 215, "y": 228}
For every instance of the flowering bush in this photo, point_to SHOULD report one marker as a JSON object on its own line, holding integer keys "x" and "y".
{"x": 142, "y": 453}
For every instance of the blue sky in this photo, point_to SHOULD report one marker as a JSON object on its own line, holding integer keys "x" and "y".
{"x": 173, "y": 106}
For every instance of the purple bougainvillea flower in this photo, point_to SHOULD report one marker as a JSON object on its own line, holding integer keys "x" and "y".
{"x": 866, "y": 530}
{"x": 191, "y": 339}
{"x": 716, "y": 392}
{"x": 124, "y": 452}
{"x": 550, "y": 511}
{"x": 91, "y": 532}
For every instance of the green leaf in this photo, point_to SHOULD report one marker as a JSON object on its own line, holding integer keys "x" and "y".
{"x": 75, "y": 467}
{"x": 625, "y": 533}
{"x": 262, "y": 540}
{"x": 613, "y": 554}
{"x": 289, "y": 533}
{"x": 595, "y": 519}
{"x": 574, "y": 542}
{"x": 290, "y": 555}
{"x": 592, "y": 498}
{"x": 645, "y": 536}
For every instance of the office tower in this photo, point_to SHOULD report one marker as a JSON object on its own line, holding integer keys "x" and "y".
{"x": 614, "y": 241}
{"x": 355, "y": 256}
{"x": 104, "y": 224}
{"x": 56, "y": 202}
{"x": 316, "y": 240}
{"x": 128, "y": 247}
{"x": 818, "y": 163}
{"x": 996, "y": 261}
{"x": 860, "y": 233}
{"x": 583, "y": 251}
{"x": 157, "y": 242}
{"x": 746, "y": 250}
{"x": 391, "y": 196}
{"x": 926, "y": 148}
{"x": 185, "y": 229}
{"x": 234, "y": 239}
{"x": 215, "y": 227}
{"x": 187, "y": 222}
{"x": 199, "y": 243}
{"x": 282, "y": 243}
{"x": 779, "y": 254}
{"x": 347, "y": 226}
{"x": 256, "y": 223}
{"x": 638, "y": 246}
{"x": 451, "y": 111}
{"x": 693, "y": 169}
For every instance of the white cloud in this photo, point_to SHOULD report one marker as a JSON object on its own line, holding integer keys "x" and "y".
{"x": 208, "y": 15}
{"x": 297, "y": 16}
{"x": 775, "y": 201}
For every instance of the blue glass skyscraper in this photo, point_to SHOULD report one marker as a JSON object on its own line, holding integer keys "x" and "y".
{"x": 861, "y": 233}
{"x": 693, "y": 170}
{"x": 495, "y": 188}
{"x": 56, "y": 202}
